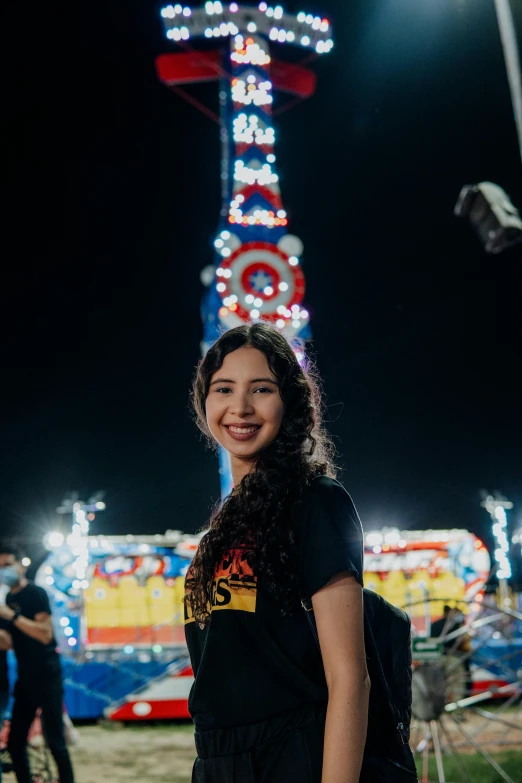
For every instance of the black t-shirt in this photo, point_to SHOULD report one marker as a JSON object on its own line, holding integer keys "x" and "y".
{"x": 251, "y": 664}
{"x": 37, "y": 663}
{"x": 4, "y": 679}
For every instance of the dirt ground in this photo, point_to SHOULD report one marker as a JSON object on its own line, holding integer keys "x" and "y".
{"x": 135, "y": 754}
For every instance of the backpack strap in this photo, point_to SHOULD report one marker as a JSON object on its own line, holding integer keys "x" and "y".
{"x": 373, "y": 658}
{"x": 309, "y": 611}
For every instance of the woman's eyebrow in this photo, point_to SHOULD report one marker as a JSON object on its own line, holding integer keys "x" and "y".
{"x": 254, "y": 380}
{"x": 222, "y": 380}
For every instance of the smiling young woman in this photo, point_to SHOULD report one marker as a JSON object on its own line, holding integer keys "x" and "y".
{"x": 244, "y": 409}
{"x": 268, "y": 707}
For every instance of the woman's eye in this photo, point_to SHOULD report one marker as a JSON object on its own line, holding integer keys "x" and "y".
{"x": 228, "y": 390}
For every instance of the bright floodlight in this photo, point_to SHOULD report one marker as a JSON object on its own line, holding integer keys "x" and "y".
{"x": 53, "y": 540}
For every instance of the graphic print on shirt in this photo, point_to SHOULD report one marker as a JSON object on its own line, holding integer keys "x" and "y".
{"x": 235, "y": 584}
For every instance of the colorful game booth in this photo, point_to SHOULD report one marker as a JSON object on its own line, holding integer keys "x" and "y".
{"x": 423, "y": 570}
{"x": 118, "y": 613}
{"x": 117, "y": 605}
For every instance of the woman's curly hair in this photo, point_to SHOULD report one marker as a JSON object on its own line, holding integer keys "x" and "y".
{"x": 258, "y": 514}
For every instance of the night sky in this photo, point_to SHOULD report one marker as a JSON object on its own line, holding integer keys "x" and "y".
{"x": 113, "y": 204}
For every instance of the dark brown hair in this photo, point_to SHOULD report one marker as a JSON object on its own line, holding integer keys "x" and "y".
{"x": 258, "y": 512}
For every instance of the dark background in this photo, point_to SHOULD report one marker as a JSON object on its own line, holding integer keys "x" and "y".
{"x": 113, "y": 203}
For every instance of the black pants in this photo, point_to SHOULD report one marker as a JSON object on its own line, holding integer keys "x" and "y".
{"x": 28, "y": 698}
{"x": 287, "y": 749}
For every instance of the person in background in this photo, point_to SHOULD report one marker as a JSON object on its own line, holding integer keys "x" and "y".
{"x": 5, "y": 644}
{"x": 445, "y": 624}
{"x": 451, "y": 620}
{"x": 39, "y": 684}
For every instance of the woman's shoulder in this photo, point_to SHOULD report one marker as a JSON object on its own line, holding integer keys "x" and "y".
{"x": 327, "y": 495}
{"x": 330, "y": 534}
{"x": 325, "y": 487}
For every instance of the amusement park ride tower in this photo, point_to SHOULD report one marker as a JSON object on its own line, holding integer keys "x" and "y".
{"x": 257, "y": 274}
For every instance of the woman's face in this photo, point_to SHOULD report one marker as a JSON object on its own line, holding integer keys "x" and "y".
{"x": 244, "y": 408}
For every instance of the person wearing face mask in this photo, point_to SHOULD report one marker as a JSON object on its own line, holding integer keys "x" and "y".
{"x": 39, "y": 684}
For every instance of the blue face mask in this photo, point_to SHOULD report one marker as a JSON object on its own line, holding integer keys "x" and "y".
{"x": 9, "y": 576}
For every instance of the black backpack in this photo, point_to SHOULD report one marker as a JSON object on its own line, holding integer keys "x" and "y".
{"x": 387, "y": 639}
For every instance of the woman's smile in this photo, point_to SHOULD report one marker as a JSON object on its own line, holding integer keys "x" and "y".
{"x": 242, "y": 431}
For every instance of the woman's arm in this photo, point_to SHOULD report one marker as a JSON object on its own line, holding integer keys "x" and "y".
{"x": 338, "y": 609}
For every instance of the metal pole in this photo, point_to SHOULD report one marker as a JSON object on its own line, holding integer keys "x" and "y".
{"x": 509, "y": 45}
{"x": 456, "y": 756}
{"x": 438, "y": 752}
{"x": 491, "y": 761}
{"x": 426, "y": 753}
{"x": 427, "y": 612}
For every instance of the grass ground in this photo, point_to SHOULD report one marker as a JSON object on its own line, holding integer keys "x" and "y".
{"x": 479, "y": 771}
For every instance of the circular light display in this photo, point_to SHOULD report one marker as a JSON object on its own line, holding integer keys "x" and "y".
{"x": 260, "y": 275}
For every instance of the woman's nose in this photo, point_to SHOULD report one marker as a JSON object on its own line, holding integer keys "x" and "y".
{"x": 241, "y": 405}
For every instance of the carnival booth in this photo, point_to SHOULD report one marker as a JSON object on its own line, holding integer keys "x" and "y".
{"x": 423, "y": 570}
{"x": 118, "y": 613}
